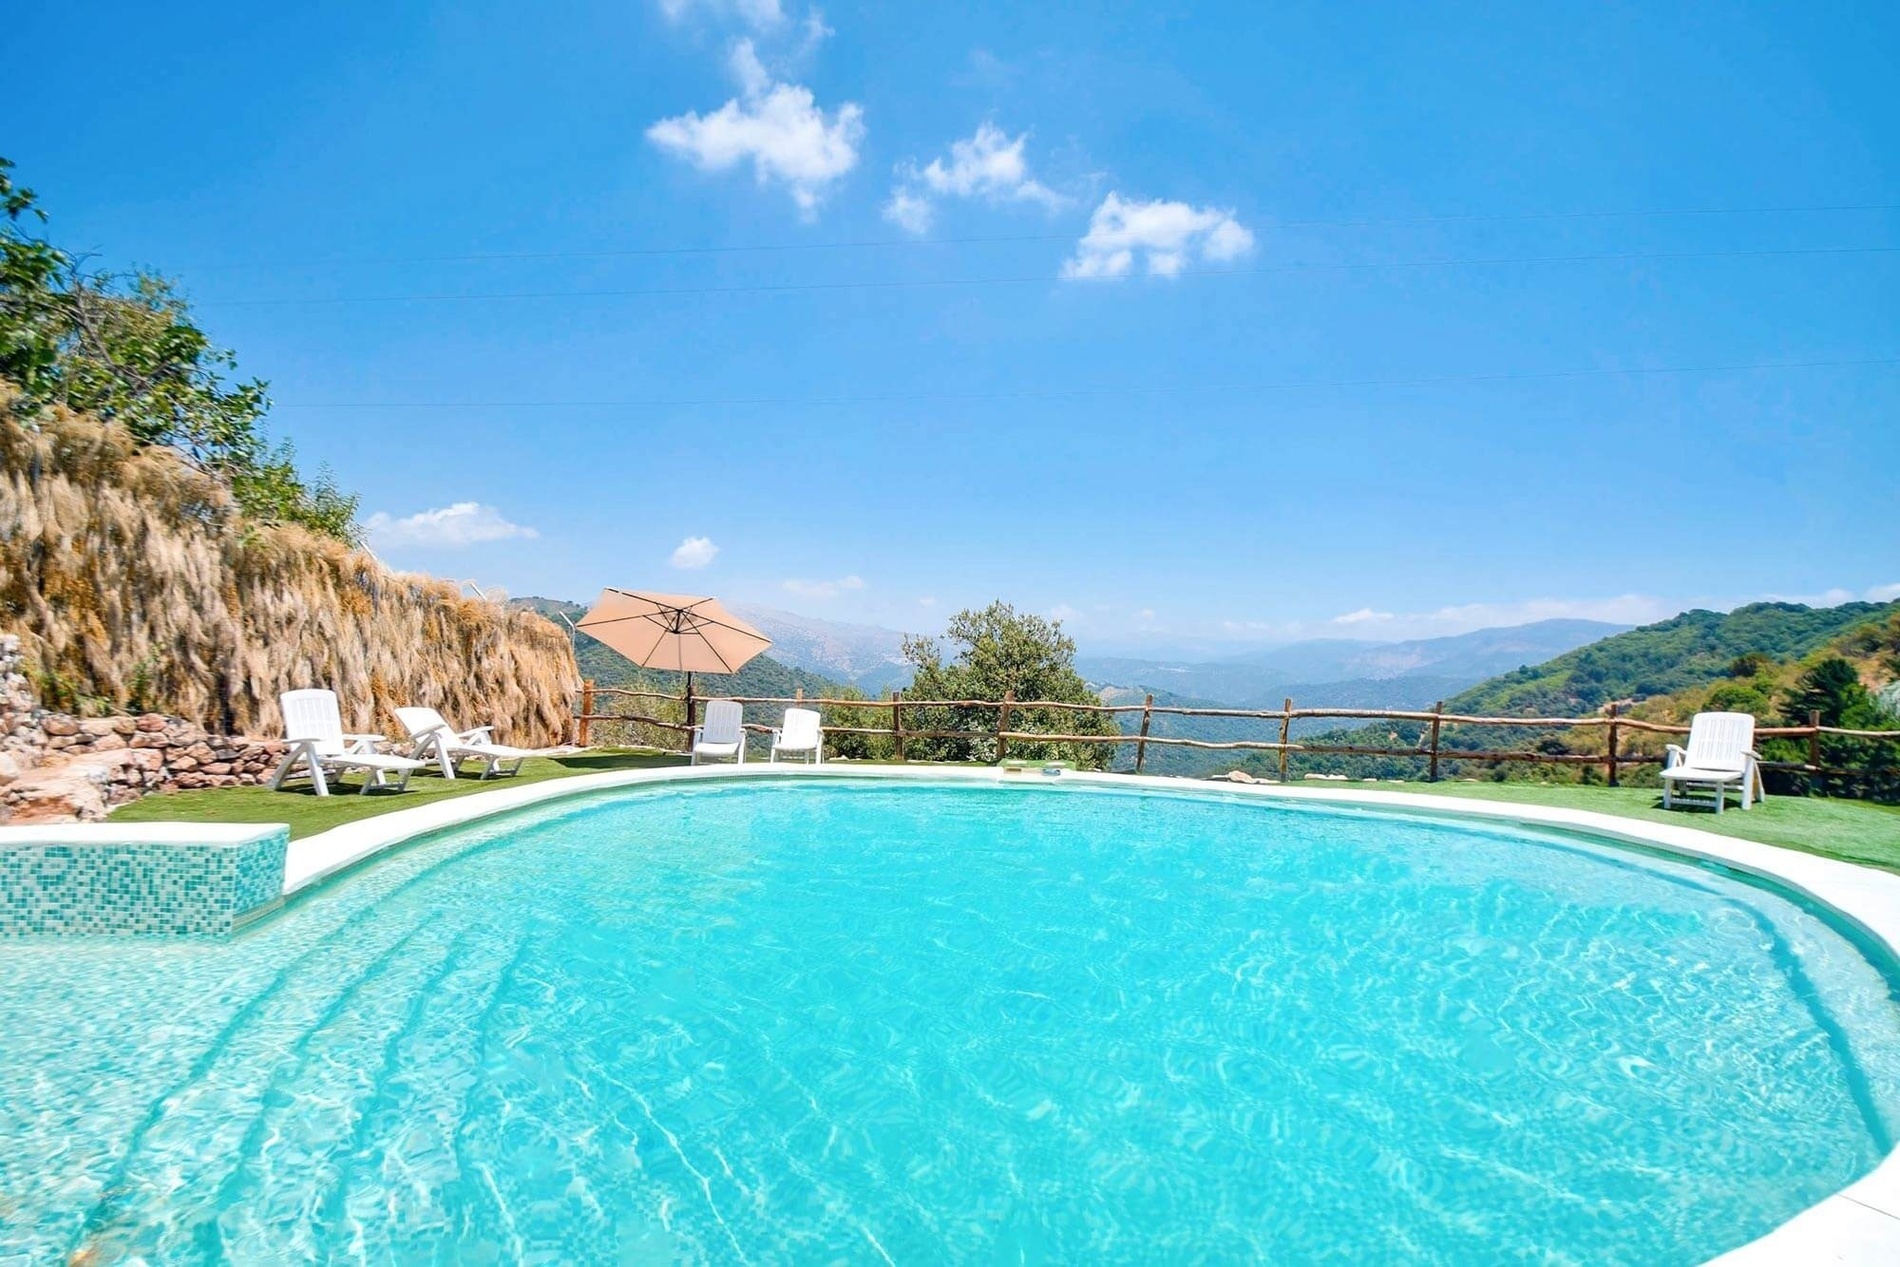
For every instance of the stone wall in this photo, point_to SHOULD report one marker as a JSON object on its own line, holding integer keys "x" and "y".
{"x": 55, "y": 767}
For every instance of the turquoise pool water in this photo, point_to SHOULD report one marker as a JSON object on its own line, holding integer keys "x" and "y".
{"x": 815, "y": 1022}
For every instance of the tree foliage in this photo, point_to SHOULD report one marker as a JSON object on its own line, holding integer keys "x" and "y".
{"x": 126, "y": 350}
{"x": 997, "y": 653}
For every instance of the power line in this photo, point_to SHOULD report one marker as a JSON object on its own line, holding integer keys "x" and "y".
{"x": 1121, "y": 390}
{"x": 476, "y": 257}
{"x": 778, "y": 288}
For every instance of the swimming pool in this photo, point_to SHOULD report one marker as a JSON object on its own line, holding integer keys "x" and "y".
{"x": 795, "y": 1020}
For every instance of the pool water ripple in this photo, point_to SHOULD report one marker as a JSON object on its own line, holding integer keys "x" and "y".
{"x": 787, "y": 1023}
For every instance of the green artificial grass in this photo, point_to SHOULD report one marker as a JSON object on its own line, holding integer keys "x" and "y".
{"x": 1853, "y": 830}
{"x": 307, "y": 813}
{"x": 1856, "y": 831}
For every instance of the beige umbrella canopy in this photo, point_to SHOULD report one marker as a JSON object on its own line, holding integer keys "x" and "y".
{"x": 677, "y": 632}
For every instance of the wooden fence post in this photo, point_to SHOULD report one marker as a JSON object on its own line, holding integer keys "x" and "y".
{"x": 1141, "y": 744}
{"x": 897, "y": 721}
{"x": 1437, "y": 708}
{"x": 1814, "y": 738}
{"x": 1609, "y": 757}
{"x": 583, "y": 729}
{"x": 1002, "y": 724}
{"x": 1286, "y": 729}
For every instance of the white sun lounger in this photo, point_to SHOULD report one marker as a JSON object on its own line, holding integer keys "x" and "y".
{"x": 433, "y": 739}
{"x": 801, "y": 734}
{"x": 722, "y": 734}
{"x": 313, "y": 727}
{"x": 1721, "y": 752}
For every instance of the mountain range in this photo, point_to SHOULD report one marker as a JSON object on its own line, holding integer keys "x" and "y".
{"x": 871, "y": 658}
{"x": 1261, "y": 679}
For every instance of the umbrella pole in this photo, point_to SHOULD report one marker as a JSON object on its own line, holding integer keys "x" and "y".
{"x": 689, "y": 710}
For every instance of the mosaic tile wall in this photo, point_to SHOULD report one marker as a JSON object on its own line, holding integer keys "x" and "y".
{"x": 140, "y": 890}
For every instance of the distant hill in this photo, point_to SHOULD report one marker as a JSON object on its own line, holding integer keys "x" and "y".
{"x": 1689, "y": 650}
{"x": 1673, "y": 664}
{"x": 1342, "y": 667}
{"x": 866, "y": 656}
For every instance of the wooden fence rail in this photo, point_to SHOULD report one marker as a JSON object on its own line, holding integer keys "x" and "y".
{"x": 1430, "y": 748}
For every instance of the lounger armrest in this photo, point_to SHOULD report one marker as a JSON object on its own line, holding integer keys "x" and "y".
{"x": 481, "y": 734}
{"x": 363, "y": 743}
{"x": 1673, "y": 756}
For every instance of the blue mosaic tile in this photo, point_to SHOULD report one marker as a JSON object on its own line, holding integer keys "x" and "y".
{"x": 138, "y": 889}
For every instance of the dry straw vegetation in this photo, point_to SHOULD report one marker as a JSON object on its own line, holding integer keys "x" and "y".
{"x": 136, "y": 583}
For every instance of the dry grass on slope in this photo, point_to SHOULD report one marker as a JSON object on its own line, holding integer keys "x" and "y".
{"x": 135, "y": 583}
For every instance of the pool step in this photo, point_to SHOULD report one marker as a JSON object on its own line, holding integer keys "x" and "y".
{"x": 165, "y": 1201}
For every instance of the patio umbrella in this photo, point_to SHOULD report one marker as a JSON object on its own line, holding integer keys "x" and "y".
{"x": 677, "y": 632}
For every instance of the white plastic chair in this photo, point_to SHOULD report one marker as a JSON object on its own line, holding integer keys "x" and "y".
{"x": 433, "y": 739}
{"x": 313, "y": 727}
{"x": 1721, "y": 751}
{"x": 801, "y": 734}
{"x": 722, "y": 734}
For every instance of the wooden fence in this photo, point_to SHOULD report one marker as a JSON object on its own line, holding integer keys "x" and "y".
{"x": 1430, "y": 747}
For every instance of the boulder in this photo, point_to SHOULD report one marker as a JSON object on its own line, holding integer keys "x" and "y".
{"x": 152, "y": 722}
{"x": 96, "y": 726}
{"x": 59, "y": 724}
{"x": 75, "y": 790}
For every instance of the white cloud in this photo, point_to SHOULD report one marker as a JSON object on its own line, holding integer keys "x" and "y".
{"x": 909, "y": 210}
{"x": 760, "y": 15}
{"x": 824, "y": 589}
{"x": 694, "y": 552}
{"x": 777, "y": 127}
{"x": 1623, "y": 609}
{"x": 746, "y": 67}
{"x": 1062, "y": 611}
{"x": 1165, "y": 234}
{"x": 927, "y": 600}
{"x": 988, "y": 165}
{"x": 1883, "y": 593}
{"x": 446, "y": 528}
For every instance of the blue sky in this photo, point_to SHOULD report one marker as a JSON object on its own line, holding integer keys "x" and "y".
{"x": 1184, "y": 322}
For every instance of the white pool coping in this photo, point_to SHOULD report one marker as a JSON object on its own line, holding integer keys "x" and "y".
{"x": 1858, "y": 1225}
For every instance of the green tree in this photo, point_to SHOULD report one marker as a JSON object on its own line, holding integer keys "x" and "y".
{"x": 1000, "y": 652}
{"x": 125, "y": 349}
{"x": 1832, "y": 688}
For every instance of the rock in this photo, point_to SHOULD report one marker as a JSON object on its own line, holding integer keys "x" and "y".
{"x": 62, "y": 794}
{"x": 10, "y": 768}
{"x": 152, "y": 722}
{"x": 150, "y": 739}
{"x": 218, "y": 767}
{"x": 112, "y": 741}
{"x": 59, "y": 724}
{"x": 181, "y": 762}
{"x": 1239, "y": 776}
{"x": 96, "y": 726}
{"x": 147, "y": 759}
{"x": 201, "y": 753}
{"x": 124, "y": 725}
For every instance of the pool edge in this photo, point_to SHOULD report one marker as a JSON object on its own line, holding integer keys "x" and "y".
{"x": 1858, "y": 1225}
